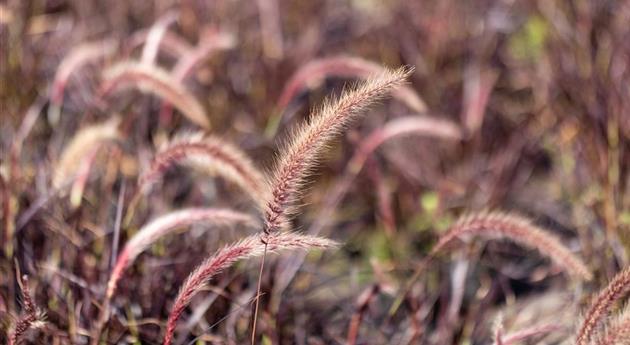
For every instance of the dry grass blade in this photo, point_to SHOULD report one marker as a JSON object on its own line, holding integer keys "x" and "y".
{"x": 519, "y": 230}
{"x": 83, "y": 172}
{"x": 208, "y": 154}
{"x": 270, "y": 28}
{"x": 249, "y": 247}
{"x": 361, "y": 306}
{"x": 78, "y": 57}
{"x": 301, "y": 153}
{"x": 157, "y": 81}
{"x": 314, "y": 72}
{"x": 8, "y": 217}
{"x": 530, "y": 332}
{"x": 408, "y": 125}
{"x": 82, "y": 146}
{"x": 477, "y": 89}
{"x": 601, "y": 305}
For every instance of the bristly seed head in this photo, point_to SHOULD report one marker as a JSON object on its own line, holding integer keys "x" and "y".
{"x": 304, "y": 148}
{"x": 618, "y": 287}
{"x": 520, "y": 230}
{"x": 211, "y": 155}
{"x": 248, "y": 247}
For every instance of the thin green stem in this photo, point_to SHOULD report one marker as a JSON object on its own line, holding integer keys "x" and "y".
{"x": 262, "y": 265}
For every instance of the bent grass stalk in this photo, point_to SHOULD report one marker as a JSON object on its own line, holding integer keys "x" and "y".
{"x": 249, "y": 247}
{"x": 211, "y": 155}
{"x": 315, "y": 71}
{"x": 493, "y": 225}
{"x": 155, "y": 230}
{"x": 165, "y": 225}
{"x": 83, "y": 172}
{"x": 212, "y": 41}
{"x": 207, "y": 154}
{"x": 155, "y": 35}
{"x": 519, "y": 230}
{"x": 154, "y": 80}
{"x": 81, "y": 147}
{"x": 77, "y": 58}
